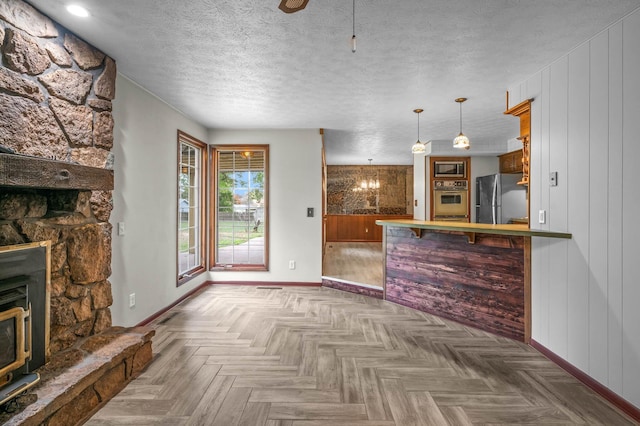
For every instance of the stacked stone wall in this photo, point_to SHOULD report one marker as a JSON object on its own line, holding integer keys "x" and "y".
{"x": 80, "y": 256}
{"x": 55, "y": 90}
{"x": 56, "y": 95}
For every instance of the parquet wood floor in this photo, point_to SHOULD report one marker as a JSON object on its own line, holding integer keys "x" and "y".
{"x": 310, "y": 356}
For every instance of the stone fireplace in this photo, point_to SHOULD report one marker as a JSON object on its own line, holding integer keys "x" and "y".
{"x": 49, "y": 202}
{"x": 56, "y": 178}
{"x": 56, "y": 135}
{"x": 32, "y": 211}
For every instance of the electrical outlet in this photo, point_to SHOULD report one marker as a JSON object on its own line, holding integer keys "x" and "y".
{"x": 121, "y": 228}
{"x": 292, "y": 264}
{"x": 553, "y": 179}
{"x": 542, "y": 216}
{"x": 132, "y": 300}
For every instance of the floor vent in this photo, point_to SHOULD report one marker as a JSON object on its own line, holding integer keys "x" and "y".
{"x": 169, "y": 317}
{"x": 270, "y": 288}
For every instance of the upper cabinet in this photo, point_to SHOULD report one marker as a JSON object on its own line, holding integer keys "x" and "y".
{"x": 511, "y": 162}
{"x": 523, "y": 111}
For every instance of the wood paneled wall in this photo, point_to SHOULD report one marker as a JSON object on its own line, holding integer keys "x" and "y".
{"x": 479, "y": 284}
{"x": 585, "y": 126}
{"x": 359, "y": 227}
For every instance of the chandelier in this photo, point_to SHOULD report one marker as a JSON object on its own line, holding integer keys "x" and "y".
{"x": 370, "y": 180}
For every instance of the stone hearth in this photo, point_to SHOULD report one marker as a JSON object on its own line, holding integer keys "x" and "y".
{"x": 78, "y": 381}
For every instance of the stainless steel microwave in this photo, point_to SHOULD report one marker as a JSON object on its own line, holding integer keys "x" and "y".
{"x": 449, "y": 169}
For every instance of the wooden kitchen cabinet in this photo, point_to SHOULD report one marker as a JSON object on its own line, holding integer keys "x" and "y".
{"x": 511, "y": 162}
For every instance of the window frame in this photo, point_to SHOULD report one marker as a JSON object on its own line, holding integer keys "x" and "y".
{"x": 213, "y": 197}
{"x": 202, "y": 148}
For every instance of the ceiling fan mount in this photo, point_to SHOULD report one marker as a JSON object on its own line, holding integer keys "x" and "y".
{"x": 291, "y": 6}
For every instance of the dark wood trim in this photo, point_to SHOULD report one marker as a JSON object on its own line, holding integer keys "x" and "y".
{"x": 517, "y": 110}
{"x": 615, "y": 399}
{"x": 376, "y": 293}
{"x": 202, "y": 265}
{"x": 165, "y": 309}
{"x": 22, "y": 171}
{"x": 324, "y": 195}
{"x": 239, "y": 267}
{"x": 213, "y": 179}
{"x": 268, "y": 283}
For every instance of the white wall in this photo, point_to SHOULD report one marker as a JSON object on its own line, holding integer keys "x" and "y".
{"x": 295, "y": 173}
{"x": 420, "y": 183}
{"x": 585, "y": 125}
{"x": 145, "y": 149}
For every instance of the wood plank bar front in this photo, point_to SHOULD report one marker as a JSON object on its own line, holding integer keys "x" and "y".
{"x": 475, "y": 274}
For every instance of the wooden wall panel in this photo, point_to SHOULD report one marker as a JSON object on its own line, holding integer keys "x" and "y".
{"x": 539, "y": 200}
{"x": 598, "y": 185}
{"x": 593, "y": 109}
{"x": 631, "y": 207}
{"x": 477, "y": 284}
{"x": 354, "y": 228}
{"x": 534, "y": 91}
{"x": 578, "y": 207}
{"x": 614, "y": 214}
{"x": 557, "y": 213}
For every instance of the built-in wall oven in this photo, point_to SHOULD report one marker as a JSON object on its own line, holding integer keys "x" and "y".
{"x": 450, "y": 200}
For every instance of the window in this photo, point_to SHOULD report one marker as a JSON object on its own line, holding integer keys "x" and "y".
{"x": 240, "y": 207}
{"x": 191, "y": 204}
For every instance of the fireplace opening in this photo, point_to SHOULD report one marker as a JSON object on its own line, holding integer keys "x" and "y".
{"x": 24, "y": 316}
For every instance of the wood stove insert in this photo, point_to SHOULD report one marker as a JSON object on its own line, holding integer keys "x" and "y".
{"x": 24, "y": 316}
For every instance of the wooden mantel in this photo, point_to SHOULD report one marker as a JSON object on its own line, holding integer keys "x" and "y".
{"x": 22, "y": 171}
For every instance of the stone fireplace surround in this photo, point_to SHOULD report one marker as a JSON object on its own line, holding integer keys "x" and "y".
{"x": 90, "y": 361}
{"x": 56, "y": 95}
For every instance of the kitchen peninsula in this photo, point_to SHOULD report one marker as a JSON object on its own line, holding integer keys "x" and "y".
{"x": 476, "y": 274}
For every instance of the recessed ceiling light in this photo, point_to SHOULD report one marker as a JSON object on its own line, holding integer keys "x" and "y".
{"x": 76, "y": 10}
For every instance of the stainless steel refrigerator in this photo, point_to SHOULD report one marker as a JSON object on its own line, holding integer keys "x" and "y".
{"x": 499, "y": 198}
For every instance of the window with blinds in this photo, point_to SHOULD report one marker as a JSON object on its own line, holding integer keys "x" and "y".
{"x": 240, "y": 207}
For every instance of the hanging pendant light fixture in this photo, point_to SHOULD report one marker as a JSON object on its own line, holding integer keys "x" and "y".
{"x": 418, "y": 147}
{"x": 353, "y": 37}
{"x": 461, "y": 141}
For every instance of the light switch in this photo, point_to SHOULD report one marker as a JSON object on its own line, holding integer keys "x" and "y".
{"x": 542, "y": 216}
{"x": 309, "y": 211}
{"x": 121, "y": 228}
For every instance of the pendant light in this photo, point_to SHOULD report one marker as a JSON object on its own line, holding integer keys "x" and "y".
{"x": 353, "y": 37}
{"x": 461, "y": 141}
{"x": 418, "y": 147}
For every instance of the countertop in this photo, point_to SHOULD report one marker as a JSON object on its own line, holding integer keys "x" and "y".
{"x": 483, "y": 228}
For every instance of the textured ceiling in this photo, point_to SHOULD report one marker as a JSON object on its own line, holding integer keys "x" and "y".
{"x": 246, "y": 64}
